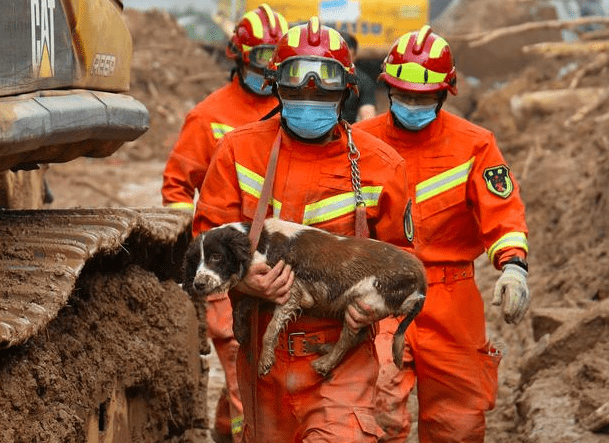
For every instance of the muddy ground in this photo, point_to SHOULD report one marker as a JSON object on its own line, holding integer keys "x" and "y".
{"x": 554, "y": 378}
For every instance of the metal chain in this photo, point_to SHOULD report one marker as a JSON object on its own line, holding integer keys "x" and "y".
{"x": 353, "y": 157}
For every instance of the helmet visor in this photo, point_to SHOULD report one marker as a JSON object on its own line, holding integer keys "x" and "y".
{"x": 327, "y": 73}
{"x": 261, "y": 55}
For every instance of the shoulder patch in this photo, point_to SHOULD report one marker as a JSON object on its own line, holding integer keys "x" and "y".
{"x": 498, "y": 180}
{"x": 408, "y": 223}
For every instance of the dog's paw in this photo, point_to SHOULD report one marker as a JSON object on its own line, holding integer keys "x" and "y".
{"x": 265, "y": 364}
{"x": 322, "y": 366}
{"x": 397, "y": 360}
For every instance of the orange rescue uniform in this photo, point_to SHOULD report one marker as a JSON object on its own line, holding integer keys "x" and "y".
{"x": 467, "y": 202}
{"x": 222, "y": 111}
{"x": 313, "y": 187}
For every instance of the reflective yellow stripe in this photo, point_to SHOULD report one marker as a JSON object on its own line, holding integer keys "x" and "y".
{"x": 509, "y": 240}
{"x": 437, "y": 47}
{"x": 334, "y": 207}
{"x": 334, "y": 39}
{"x": 251, "y": 183}
{"x": 236, "y": 424}
{"x": 414, "y": 73}
{"x": 219, "y": 130}
{"x": 421, "y": 35}
{"x": 403, "y": 42}
{"x": 256, "y": 23}
{"x": 294, "y": 37}
{"x": 443, "y": 182}
{"x": 269, "y": 14}
{"x": 283, "y": 24}
{"x": 181, "y": 205}
{"x": 314, "y": 24}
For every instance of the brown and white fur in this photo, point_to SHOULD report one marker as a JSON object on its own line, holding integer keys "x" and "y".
{"x": 331, "y": 272}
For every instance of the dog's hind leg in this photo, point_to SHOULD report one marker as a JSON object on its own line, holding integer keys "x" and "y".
{"x": 281, "y": 315}
{"x": 323, "y": 365}
{"x": 412, "y": 306}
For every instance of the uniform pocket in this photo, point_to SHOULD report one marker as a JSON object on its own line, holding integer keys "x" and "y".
{"x": 490, "y": 357}
{"x": 367, "y": 422}
{"x": 447, "y": 200}
{"x": 438, "y": 213}
{"x": 332, "y": 205}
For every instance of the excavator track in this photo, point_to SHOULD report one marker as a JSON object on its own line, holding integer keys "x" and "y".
{"x": 43, "y": 253}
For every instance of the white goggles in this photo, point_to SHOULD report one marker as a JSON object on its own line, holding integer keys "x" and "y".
{"x": 328, "y": 74}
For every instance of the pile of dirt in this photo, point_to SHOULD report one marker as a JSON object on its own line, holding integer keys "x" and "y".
{"x": 170, "y": 74}
{"x": 122, "y": 326}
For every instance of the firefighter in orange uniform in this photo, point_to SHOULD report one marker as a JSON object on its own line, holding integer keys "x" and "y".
{"x": 311, "y": 73}
{"x": 241, "y": 101}
{"x": 467, "y": 202}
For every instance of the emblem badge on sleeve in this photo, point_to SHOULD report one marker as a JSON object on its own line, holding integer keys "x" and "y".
{"x": 498, "y": 180}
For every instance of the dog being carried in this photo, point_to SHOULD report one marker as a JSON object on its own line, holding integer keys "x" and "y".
{"x": 331, "y": 272}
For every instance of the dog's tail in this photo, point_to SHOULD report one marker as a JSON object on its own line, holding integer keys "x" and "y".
{"x": 416, "y": 300}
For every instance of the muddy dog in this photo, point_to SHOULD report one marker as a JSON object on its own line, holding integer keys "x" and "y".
{"x": 331, "y": 272}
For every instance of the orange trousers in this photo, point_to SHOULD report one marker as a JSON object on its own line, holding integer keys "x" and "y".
{"x": 452, "y": 363}
{"x": 294, "y": 404}
{"x": 219, "y": 316}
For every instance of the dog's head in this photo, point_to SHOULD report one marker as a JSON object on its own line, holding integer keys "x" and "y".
{"x": 216, "y": 260}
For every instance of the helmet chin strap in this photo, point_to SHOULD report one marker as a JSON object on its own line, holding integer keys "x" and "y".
{"x": 443, "y": 95}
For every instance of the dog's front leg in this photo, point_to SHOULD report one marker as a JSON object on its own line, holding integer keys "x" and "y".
{"x": 281, "y": 315}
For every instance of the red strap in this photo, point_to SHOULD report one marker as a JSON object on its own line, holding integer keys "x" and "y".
{"x": 255, "y": 231}
{"x": 265, "y": 194}
{"x": 361, "y": 223}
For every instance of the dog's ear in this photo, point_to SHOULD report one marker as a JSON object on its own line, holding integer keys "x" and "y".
{"x": 238, "y": 244}
{"x": 191, "y": 261}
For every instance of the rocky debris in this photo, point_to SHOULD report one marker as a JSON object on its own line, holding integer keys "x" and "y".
{"x": 557, "y": 145}
{"x": 170, "y": 74}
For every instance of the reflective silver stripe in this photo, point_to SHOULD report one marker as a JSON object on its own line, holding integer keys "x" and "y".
{"x": 444, "y": 181}
{"x": 220, "y": 129}
{"x": 251, "y": 183}
{"x": 509, "y": 240}
{"x": 334, "y": 207}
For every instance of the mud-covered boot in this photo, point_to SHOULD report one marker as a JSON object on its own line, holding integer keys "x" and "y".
{"x": 221, "y": 432}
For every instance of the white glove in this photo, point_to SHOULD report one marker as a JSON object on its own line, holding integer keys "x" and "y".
{"x": 512, "y": 291}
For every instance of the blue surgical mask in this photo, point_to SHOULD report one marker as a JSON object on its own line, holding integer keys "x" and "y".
{"x": 255, "y": 81}
{"x": 413, "y": 117}
{"x": 310, "y": 119}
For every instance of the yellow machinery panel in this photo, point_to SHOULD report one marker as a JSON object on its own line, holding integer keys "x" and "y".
{"x": 376, "y": 24}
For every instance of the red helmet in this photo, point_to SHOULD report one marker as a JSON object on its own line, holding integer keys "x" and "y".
{"x": 260, "y": 28}
{"x": 420, "y": 61}
{"x": 313, "y": 50}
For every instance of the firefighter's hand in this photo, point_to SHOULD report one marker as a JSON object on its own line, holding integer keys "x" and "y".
{"x": 271, "y": 284}
{"x": 359, "y": 315}
{"x": 512, "y": 293}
